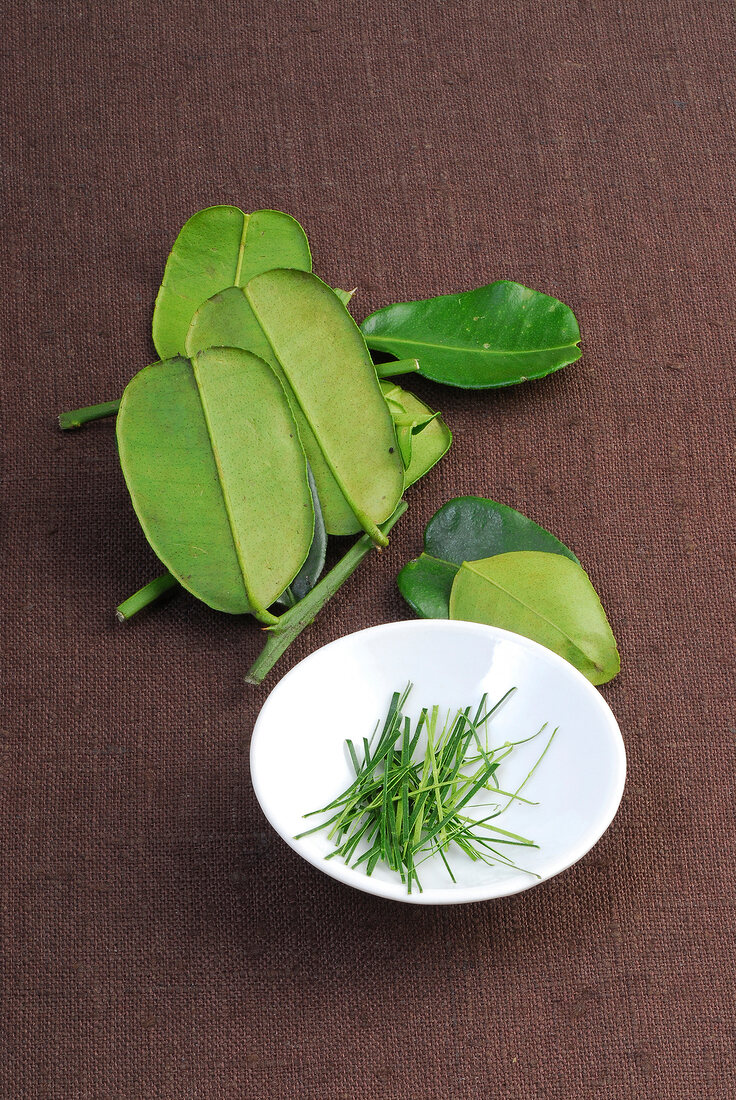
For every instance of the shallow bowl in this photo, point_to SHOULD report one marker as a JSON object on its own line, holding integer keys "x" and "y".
{"x": 299, "y": 762}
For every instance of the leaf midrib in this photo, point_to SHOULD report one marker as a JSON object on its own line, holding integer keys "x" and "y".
{"x": 241, "y": 250}
{"x": 442, "y": 561}
{"x": 534, "y": 611}
{"x": 373, "y": 340}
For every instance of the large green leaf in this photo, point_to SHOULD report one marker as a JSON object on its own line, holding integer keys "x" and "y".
{"x": 218, "y": 478}
{"x": 466, "y": 529}
{"x": 327, "y": 365}
{"x": 545, "y": 597}
{"x": 494, "y": 336}
{"x": 217, "y": 248}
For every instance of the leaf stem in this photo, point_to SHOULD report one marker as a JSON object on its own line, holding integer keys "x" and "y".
{"x": 140, "y": 599}
{"x": 83, "y": 416}
{"x": 298, "y": 617}
{"x": 396, "y": 367}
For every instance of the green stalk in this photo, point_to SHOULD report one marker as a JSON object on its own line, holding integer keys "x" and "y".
{"x": 144, "y": 596}
{"x": 398, "y": 366}
{"x": 84, "y": 416}
{"x": 298, "y": 617}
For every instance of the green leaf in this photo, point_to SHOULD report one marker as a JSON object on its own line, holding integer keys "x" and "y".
{"x": 403, "y": 438}
{"x": 494, "y": 336}
{"x": 327, "y": 365}
{"x": 221, "y": 247}
{"x": 218, "y": 478}
{"x": 303, "y": 582}
{"x": 466, "y": 529}
{"x": 430, "y": 437}
{"x": 545, "y": 597}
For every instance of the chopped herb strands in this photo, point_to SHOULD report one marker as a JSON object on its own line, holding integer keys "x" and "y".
{"x": 408, "y": 804}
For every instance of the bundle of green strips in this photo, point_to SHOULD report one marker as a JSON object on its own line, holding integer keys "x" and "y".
{"x": 408, "y": 804}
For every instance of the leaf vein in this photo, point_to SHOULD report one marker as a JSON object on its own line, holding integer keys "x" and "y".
{"x": 375, "y": 341}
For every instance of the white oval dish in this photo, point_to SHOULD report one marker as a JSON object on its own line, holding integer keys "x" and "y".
{"x": 299, "y": 762}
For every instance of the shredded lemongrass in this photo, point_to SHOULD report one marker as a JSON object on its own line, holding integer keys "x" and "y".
{"x": 401, "y": 810}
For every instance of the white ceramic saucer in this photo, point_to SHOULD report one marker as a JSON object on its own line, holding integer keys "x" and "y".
{"x": 299, "y": 763}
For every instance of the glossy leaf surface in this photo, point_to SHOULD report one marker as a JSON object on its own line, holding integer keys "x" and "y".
{"x": 218, "y": 477}
{"x": 466, "y": 529}
{"x": 545, "y": 597}
{"x": 331, "y": 374}
{"x": 220, "y": 247}
{"x": 493, "y": 336}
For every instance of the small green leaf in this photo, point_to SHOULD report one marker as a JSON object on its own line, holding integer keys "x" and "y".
{"x": 430, "y": 436}
{"x": 218, "y": 478}
{"x": 403, "y": 438}
{"x": 220, "y": 247}
{"x": 494, "y": 336}
{"x": 466, "y": 529}
{"x": 545, "y": 597}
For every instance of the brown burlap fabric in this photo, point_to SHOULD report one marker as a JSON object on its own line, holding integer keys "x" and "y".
{"x": 158, "y": 939}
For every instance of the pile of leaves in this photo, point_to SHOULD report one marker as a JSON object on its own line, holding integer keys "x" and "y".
{"x": 488, "y": 563}
{"x": 266, "y": 426}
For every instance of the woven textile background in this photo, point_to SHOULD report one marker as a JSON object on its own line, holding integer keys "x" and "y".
{"x": 158, "y": 940}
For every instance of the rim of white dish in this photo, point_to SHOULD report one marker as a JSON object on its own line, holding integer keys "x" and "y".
{"x": 457, "y": 895}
